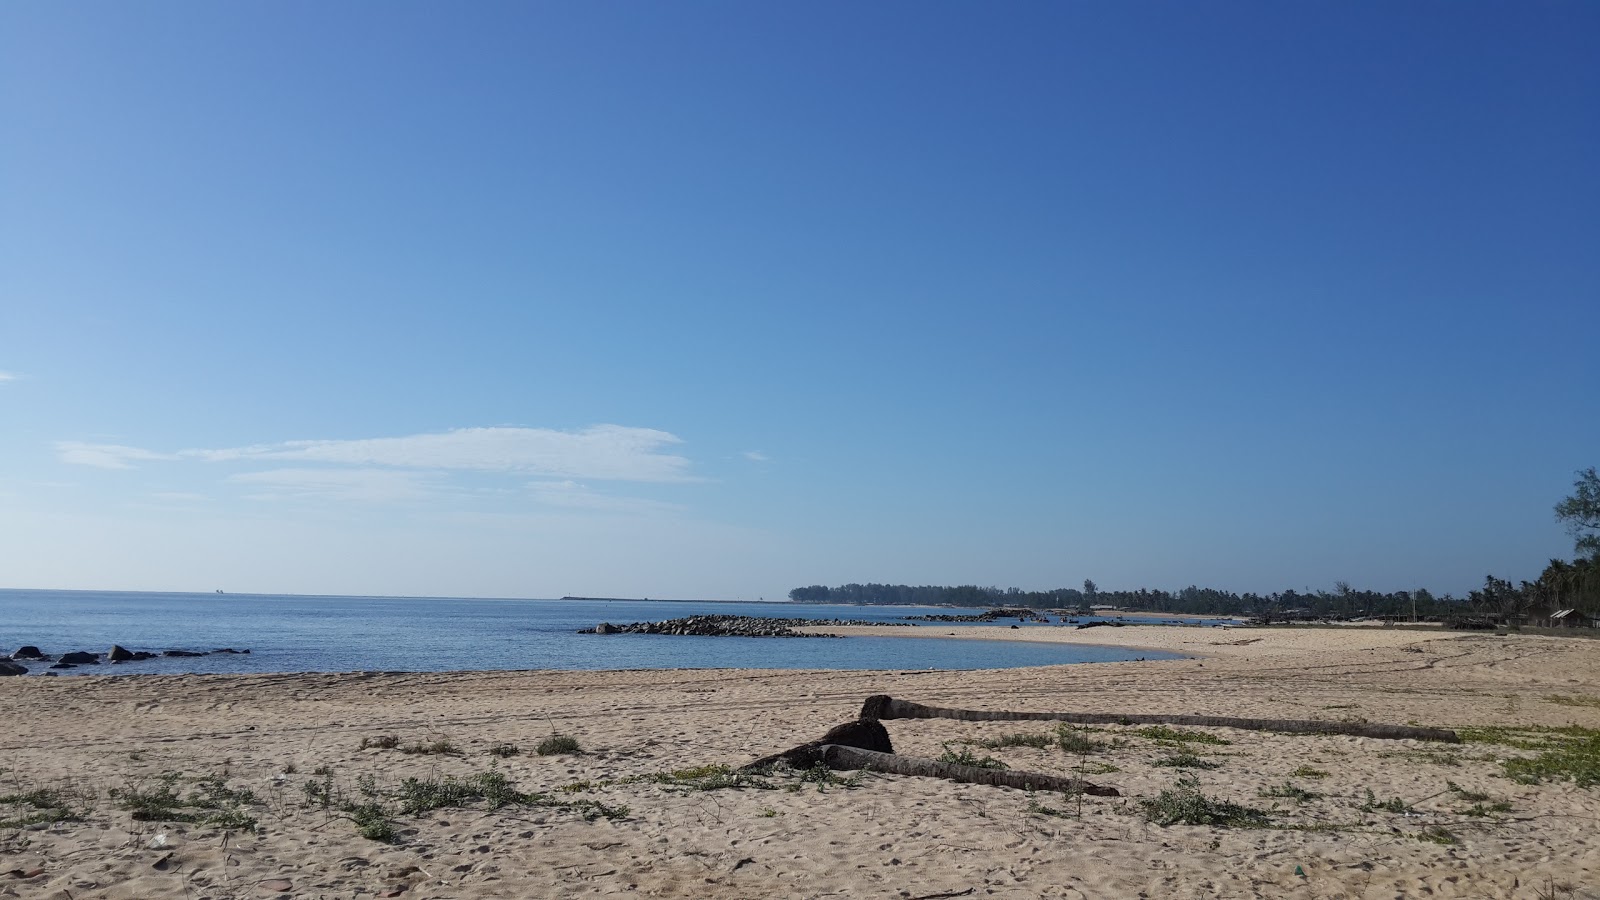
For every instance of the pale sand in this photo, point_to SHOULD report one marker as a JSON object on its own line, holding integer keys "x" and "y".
{"x": 891, "y": 837}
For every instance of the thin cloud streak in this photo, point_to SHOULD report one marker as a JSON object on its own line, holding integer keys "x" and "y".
{"x": 610, "y": 452}
{"x": 105, "y": 456}
{"x": 601, "y": 452}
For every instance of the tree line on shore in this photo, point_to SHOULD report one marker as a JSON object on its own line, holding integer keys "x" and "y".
{"x": 1563, "y": 585}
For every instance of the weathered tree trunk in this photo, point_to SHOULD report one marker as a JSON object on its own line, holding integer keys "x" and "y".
{"x": 882, "y": 706}
{"x": 838, "y": 756}
{"x": 863, "y": 734}
{"x": 864, "y": 744}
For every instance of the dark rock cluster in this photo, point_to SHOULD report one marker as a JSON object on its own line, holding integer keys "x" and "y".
{"x": 726, "y": 626}
{"x": 12, "y": 665}
{"x": 992, "y": 615}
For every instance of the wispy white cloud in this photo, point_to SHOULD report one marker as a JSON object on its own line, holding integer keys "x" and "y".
{"x": 7, "y": 376}
{"x": 609, "y": 452}
{"x": 756, "y": 456}
{"x": 601, "y": 452}
{"x": 366, "y": 485}
{"x": 105, "y": 456}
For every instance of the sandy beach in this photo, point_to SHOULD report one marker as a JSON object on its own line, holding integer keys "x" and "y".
{"x": 1441, "y": 820}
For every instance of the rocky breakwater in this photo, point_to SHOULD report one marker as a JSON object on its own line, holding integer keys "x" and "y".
{"x": 12, "y": 665}
{"x": 727, "y": 626}
{"x": 993, "y": 615}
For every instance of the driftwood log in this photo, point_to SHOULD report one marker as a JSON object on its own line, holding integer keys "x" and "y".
{"x": 864, "y": 744}
{"x": 882, "y": 706}
{"x": 862, "y": 734}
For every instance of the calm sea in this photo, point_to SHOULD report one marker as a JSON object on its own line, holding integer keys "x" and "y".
{"x": 342, "y": 634}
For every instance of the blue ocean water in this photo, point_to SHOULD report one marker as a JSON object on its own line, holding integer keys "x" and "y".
{"x": 342, "y": 634}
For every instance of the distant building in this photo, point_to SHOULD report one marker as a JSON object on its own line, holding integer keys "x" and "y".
{"x": 1570, "y": 618}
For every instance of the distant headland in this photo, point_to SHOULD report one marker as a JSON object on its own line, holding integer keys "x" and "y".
{"x": 658, "y": 600}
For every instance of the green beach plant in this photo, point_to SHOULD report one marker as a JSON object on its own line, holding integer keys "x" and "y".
{"x": 1184, "y": 804}
{"x": 558, "y": 745}
{"x": 963, "y": 756}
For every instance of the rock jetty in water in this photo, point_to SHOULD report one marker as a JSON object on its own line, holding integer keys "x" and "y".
{"x": 117, "y": 654}
{"x": 728, "y": 626}
{"x": 992, "y": 615}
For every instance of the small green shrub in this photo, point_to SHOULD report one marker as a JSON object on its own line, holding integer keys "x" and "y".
{"x": 1037, "y": 741}
{"x": 965, "y": 757}
{"x": 824, "y": 778}
{"x": 1291, "y": 791}
{"x": 1165, "y": 735}
{"x": 212, "y": 803}
{"x": 1437, "y": 834}
{"x": 1183, "y": 759}
{"x": 1075, "y": 740}
{"x": 435, "y": 747}
{"x": 1184, "y": 804}
{"x": 372, "y": 822}
{"x": 1393, "y": 804}
{"x": 504, "y": 751}
{"x": 558, "y": 745}
{"x": 709, "y": 778}
{"x": 1308, "y": 772}
{"x": 40, "y": 806}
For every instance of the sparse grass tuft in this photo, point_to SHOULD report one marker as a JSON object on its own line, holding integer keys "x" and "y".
{"x": 558, "y": 745}
{"x": 1184, "y": 759}
{"x": 1040, "y": 809}
{"x": 1437, "y": 834}
{"x": 1075, "y": 740}
{"x": 1580, "y": 700}
{"x": 1393, "y": 804}
{"x": 212, "y": 803}
{"x": 1184, "y": 804}
{"x": 381, "y": 742}
{"x": 1308, "y": 772}
{"x": 492, "y": 790}
{"x": 1291, "y": 791}
{"x": 965, "y": 757}
{"x": 824, "y": 778}
{"x": 1162, "y": 734}
{"x": 372, "y": 822}
{"x": 1566, "y": 753}
{"x": 1037, "y": 741}
{"x": 709, "y": 778}
{"x": 40, "y": 806}
{"x": 1095, "y": 768}
{"x": 436, "y": 747}
{"x": 504, "y": 751}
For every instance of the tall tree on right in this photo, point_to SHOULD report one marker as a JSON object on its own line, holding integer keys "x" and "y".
{"x": 1581, "y": 513}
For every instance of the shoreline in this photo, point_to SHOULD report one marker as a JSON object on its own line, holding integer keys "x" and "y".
{"x": 1187, "y": 640}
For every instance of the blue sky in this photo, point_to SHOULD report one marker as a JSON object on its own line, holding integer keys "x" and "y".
{"x": 719, "y": 299}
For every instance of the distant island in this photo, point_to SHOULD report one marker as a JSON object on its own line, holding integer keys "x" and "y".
{"x": 1498, "y": 597}
{"x": 1565, "y": 592}
{"x": 649, "y": 600}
